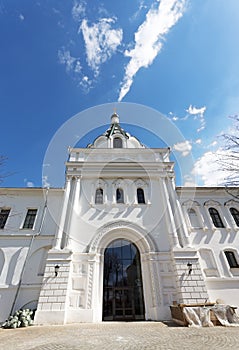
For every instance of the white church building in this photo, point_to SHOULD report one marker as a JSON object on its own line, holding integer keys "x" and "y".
{"x": 119, "y": 242}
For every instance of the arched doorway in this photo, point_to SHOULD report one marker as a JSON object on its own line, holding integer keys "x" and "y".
{"x": 123, "y": 289}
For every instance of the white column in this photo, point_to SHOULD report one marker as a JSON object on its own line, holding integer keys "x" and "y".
{"x": 169, "y": 215}
{"x": 179, "y": 217}
{"x": 73, "y": 210}
{"x": 59, "y": 234}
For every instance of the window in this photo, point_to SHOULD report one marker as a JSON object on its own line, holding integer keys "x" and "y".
{"x": 117, "y": 142}
{"x": 216, "y": 219}
{"x": 30, "y": 218}
{"x": 99, "y": 196}
{"x": 119, "y": 195}
{"x": 193, "y": 218}
{"x": 140, "y": 196}
{"x": 235, "y": 215}
{"x": 232, "y": 261}
{"x": 3, "y": 217}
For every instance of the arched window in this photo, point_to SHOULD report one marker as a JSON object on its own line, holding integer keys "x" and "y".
{"x": 99, "y": 196}
{"x": 119, "y": 195}
{"x": 232, "y": 261}
{"x": 117, "y": 142}
{"x": 140, "y": 196}
{"x": 193, "y": 218}
{"x": 216, "y": 219}
{"x": 4, "y": 213}
{"x": 235, "y": 215}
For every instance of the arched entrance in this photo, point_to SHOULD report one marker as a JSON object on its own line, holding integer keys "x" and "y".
{"x": 123, "y": 289}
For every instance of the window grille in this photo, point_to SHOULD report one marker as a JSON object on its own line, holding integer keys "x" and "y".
{"x": 216, "y": 219}
{"x": 235, "y": 215}
{"x": 30, "y": 218}
{"x": 232, "y": 261}
{"x": 4, "y": 213}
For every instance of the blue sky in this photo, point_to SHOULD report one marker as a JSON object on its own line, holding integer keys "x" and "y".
{"x": 58, "y": 58}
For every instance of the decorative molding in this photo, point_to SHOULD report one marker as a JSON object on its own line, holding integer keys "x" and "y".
{"x": 131, "y": 230}
{"x": 140, "y": 183}
{"x": 190, "y": 203}
{"x": 90, "y": 285}
{"x": 232, "y": 202}
{"x": 212, "y": 203}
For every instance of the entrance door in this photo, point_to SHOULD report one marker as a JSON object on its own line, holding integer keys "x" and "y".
{"x": 123, "y": 290}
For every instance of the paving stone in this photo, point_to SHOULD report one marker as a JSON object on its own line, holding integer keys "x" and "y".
{"x": 119, "y": 335}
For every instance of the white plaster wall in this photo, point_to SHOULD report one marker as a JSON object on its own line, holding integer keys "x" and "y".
{"x": 221, "y": 280}
{"x": 19, "y": 244}
{"x": 90, "y": 217}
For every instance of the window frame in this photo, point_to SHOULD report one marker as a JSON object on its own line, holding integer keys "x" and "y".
{"x": 30, "y": 219}
{"x": 215, "y": 217}
{"x": 4, "y": 217}
{"x": 193, "y": 218}
{"x": 99, "y": 196}
{"x": 235, "y": 215}
{"x": 119, "y": 190}
{"x": 141, "y": 193}
{"x": 115, "y": 140}
{"x": 231, "y": 259}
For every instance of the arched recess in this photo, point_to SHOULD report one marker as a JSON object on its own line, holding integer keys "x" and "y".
{"x": 121, "y": 229}
{"x": 123, "y": 298}
{"x": 32, "y": 305}
{"x": 35, "y": 266}
{"x": 136, "y": 235}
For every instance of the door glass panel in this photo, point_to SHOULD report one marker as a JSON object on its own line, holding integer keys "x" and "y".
{"x": 123, "y": 289}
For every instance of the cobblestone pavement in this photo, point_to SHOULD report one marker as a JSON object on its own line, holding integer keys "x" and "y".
{"x": 119, "y": 335}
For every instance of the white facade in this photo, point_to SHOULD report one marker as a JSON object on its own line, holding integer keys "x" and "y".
{"x": 185, "y": 240}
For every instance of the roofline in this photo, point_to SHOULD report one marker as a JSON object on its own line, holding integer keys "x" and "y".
{"x": 31, "y": 188}
{"x": 161, "y": 149}
{"x": 199, "y": 188}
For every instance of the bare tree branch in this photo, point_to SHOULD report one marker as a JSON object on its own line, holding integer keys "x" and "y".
{"x": 229, "y": 160}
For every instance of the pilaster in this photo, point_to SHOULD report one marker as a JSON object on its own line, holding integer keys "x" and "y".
{"x": 63, "y": 214}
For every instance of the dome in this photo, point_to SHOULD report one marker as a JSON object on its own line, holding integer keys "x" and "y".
{"x": 116, "y": 137}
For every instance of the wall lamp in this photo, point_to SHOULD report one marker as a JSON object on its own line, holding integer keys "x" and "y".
{"x": 190, "y": 268}
{"x": 57, "y": 268}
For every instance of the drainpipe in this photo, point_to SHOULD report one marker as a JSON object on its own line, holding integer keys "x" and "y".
{"x": 29, "y": 250}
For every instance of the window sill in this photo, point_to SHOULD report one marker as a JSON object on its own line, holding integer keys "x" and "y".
{"x": 234, "y": 271}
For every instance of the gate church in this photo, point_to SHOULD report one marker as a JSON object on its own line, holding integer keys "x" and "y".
{"x": 119, "y": 242}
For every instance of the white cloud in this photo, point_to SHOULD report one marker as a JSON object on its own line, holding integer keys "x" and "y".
{"x": 101, "y": 41}
{"x": 140, "y": 8}
{"x": 71, "y": 63}
{"x": 85, "y": 83}
{"x": 74, "y": 68}
{"x": 213, "y": 144}
{"x": 194, "y": 111}
{"x": 189, "y": 181}
{"x": 198, "y": 114}
{"x": 210, "y": 170}
{"x": 78, "y": 10}
{"x": 198, "y": 141}
{"x": 21, "y": 17}
{"x": 149, "y": 38}
{"x": 183, "y": 147}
